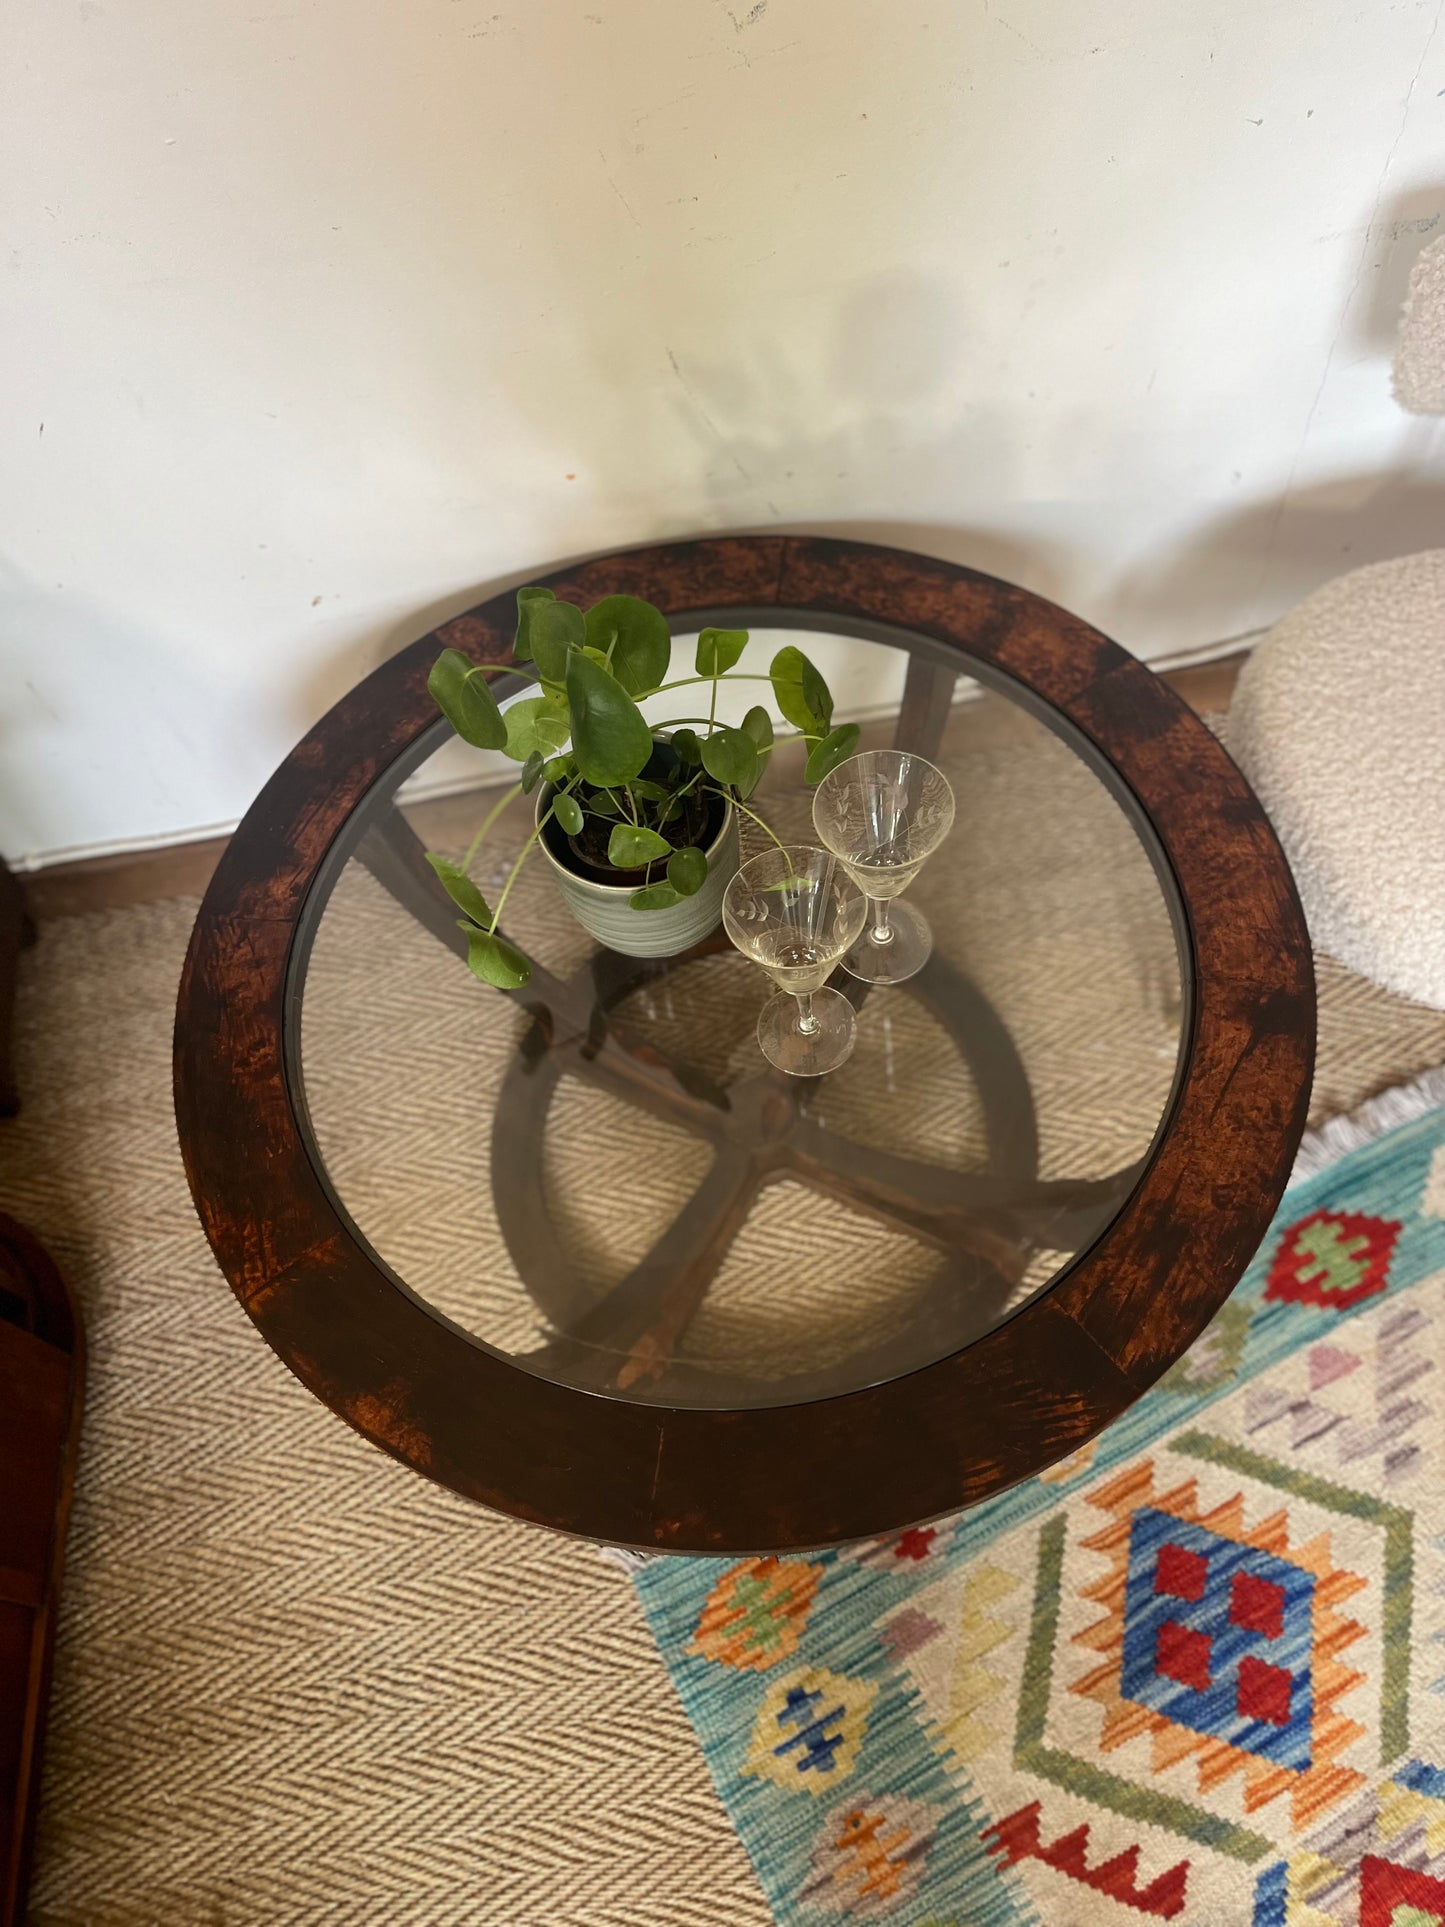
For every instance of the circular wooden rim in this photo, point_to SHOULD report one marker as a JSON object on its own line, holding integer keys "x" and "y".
{"x": 832, "y": 1470}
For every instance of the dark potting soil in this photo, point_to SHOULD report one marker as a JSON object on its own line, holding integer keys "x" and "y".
{"x": 698, "y": 822}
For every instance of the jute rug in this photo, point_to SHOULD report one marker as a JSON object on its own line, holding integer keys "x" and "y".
{"x": 295, "y": 1683}
{"x": 1193, "y": 1673}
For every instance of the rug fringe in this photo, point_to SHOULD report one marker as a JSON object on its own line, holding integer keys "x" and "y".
{"x": 625, "y": 1561}
{"x": 1375, "y": 1118}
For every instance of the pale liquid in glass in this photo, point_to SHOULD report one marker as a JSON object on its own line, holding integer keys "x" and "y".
{"x": 878, "y": 876}
{"x": 794, "y": 966}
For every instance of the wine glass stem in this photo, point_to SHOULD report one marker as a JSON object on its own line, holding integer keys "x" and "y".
{"x": 807, "y": 1022}
{"x": 882, "y": 931}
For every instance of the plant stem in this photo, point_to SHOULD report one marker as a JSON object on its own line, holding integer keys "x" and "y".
{"x": 522, "y": 855}
{"x": 487, "y": 821}
{"x": 513, "y": 669}
{"x": 683, "y": 682}
{"x": 754, "y": 817}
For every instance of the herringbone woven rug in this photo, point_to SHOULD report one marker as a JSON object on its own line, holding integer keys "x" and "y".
{"x": 296, "y": 1684}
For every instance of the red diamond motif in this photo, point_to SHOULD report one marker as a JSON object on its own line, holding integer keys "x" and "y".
{"x": 1263, "y": 1692}
{"x": 1256, "y": 1605}
{"x": 1332, "y": 1259}
{"x": 1182, "y": 1654}
{"x": 1180, "y": 1572}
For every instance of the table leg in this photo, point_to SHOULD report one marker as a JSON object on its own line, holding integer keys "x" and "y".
{"x": 395, "y": 855}
{"x": 927, "y": 698}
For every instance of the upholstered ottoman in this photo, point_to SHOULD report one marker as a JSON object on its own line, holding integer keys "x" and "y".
{"x": 1339, "y": 723}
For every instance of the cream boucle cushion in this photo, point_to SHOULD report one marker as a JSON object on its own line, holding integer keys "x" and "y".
{"x": 1339, "y": 723}
{"x": 1420, "y": 354}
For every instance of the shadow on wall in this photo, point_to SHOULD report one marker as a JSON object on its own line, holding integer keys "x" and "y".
{"x": 767, "y": 418}
{"x": 875, "y": 411}
{"x": 983, "y": 549}
{"x": 1323, "y": 532}
{"x": 79, "y": 646}
{"x": 1274, "y": 552}
{"x": 1397, "y": 233}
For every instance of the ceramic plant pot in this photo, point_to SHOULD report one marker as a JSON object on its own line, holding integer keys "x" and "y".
{"x": 605, "y": 911}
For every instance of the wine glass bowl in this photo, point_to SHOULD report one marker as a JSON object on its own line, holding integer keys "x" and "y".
{"x": 795, "y": 911}
{"x": 883, "y": 814}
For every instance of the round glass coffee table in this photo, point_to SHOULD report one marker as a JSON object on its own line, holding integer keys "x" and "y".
{"x": 578, "y": 1252}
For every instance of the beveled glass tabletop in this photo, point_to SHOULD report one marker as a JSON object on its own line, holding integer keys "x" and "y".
{"x": 600, "y": 1176}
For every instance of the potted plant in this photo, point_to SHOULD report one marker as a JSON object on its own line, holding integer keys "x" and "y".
{"x": 637, "y": 820}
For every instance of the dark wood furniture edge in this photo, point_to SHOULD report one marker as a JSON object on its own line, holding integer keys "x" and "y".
{"x": 832, "y": 1470}
{"x": 17, "y": 933}
{"x": 42, "y": 1381}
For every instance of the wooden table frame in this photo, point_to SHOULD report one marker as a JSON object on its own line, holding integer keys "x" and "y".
{"x": 947, "y": 1435}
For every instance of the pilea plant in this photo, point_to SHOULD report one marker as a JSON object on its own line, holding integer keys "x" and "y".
{"x": 634, "y": 803}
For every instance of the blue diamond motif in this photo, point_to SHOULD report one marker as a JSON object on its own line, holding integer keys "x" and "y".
{"x": 1213, "y": 1707}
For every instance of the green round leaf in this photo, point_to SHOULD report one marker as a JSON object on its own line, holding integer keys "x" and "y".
{"x": 460, "y": 888}
{"x": 731, "y": 756}
{"x": 719, "y": 649}
{"x": 759, "y": 725}
{"x": 834, "y": 749}
{"x": 800, "y": 692}
{"x": 687, "y": 871}
{"x": 460, "y": 692}
{"x": 631, "y": 848}
{"x": 638, "y": 638}
{"x": 532, "y": 772}
{"x": 554, "y": 630}
{"x": 604, "y": 803}
{"x": 688, "y": 748}
{"x": 521, "y": 642}
{"x": 496, "y": 961}
{"x": 558, "y": 768}
{"x": 568, "y": 812}
{"x": 541, "y": 723}
{"x": 654, "y": 896}
{"x": 649, "y": 791}
{"x": 610, "y": 741}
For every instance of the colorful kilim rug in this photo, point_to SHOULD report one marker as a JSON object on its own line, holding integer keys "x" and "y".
{"x": 1194, "y": 1673}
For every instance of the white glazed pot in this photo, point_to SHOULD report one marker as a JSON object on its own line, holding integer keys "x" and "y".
{"x": 605, "y": 911}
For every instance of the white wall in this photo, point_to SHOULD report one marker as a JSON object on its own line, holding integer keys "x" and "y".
{"x": 337, "y": 312}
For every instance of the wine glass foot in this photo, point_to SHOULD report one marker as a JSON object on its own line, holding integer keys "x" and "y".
{"x": 908, "y": 950}
{"x": 803, "y": 1053}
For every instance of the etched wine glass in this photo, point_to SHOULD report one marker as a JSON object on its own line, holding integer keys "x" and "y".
{"x": 796, "y": 910}
{"x": 884, "y": 813}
